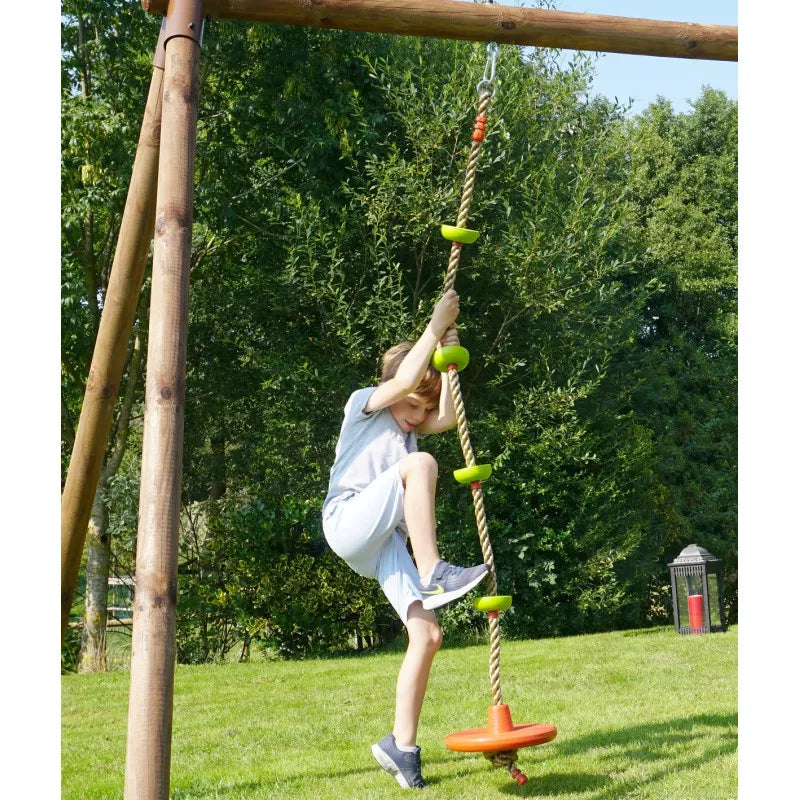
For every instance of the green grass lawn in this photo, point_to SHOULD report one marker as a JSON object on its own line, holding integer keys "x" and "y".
{"x": 640, "y": 714}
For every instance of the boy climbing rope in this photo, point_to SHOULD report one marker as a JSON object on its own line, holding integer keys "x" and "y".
{"x": 381, "y": 494}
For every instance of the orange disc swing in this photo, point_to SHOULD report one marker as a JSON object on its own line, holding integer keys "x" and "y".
{"x": 500, "y": 734}
{"x": 500, "y": 739}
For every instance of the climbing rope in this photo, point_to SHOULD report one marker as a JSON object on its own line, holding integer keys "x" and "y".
{"x": 501, "y": 738}
{"x": 486, "y": 90}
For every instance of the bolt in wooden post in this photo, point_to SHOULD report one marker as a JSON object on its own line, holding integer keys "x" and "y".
{"x": 110, "y": 350}
{"x": 153, "y": 642}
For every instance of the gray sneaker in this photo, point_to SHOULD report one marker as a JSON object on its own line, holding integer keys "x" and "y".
{"x": 449, "y": 582}
{"x": 406, "y": 767}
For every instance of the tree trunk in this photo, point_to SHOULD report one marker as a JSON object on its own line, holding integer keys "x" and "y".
{"x": 95, "y": 614}
{"x": 98, "y": 540}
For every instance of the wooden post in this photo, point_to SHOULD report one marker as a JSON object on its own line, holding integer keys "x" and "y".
{"x": 110, "y": 350}
{"x": 455, "y": 19}
{"x": 154, "y": 609}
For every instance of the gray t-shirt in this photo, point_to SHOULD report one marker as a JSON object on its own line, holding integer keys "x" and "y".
{"x": 368, "y": 445}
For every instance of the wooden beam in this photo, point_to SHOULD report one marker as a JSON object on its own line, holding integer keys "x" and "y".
{"x": 454, "y": 19}
{"x": 111, "y": 347}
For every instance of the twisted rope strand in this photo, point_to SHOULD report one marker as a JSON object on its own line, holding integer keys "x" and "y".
{"x": 466, "y": 196}
{"x": 461, "y": 416}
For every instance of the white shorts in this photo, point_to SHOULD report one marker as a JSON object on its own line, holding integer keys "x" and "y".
{"x": 368, "y": 531}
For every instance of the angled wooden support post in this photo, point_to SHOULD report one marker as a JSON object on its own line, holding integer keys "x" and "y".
{"x": 154, "y": 609}
{"x": 110, "y": 350}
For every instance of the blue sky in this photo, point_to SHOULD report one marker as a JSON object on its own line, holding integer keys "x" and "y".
{"x": 643, "y": 78}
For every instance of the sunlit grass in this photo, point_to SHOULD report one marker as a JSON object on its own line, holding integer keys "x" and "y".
{"x": 640, "y": 714}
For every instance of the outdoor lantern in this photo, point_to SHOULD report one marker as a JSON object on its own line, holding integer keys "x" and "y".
{"x": 696, "y": 577}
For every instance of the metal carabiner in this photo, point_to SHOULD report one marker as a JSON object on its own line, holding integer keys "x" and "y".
{"x": 487, "y": 82}
{"x": 493, "y": 49}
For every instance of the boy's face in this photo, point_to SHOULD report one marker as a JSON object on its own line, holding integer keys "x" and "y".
{"x": 411, "y": 411}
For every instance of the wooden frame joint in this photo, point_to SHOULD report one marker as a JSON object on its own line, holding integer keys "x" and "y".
{"x": 184, "y": 18}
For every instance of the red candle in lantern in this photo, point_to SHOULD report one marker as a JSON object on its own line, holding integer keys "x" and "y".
{"x": 696, "y": 616}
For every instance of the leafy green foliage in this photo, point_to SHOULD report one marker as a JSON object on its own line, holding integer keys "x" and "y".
{"x": 100, "y": 120}
{"x": 598, "y": 306}
{"x": 683, "y": 372}
{"x": 252, "y": 572}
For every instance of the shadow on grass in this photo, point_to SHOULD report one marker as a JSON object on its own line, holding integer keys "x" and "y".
{"x": 285, "y": 783}
{"x": 627, "y": 759}
{"x": 655, "y": 751}
{"x": 275, "y": 788}
{"x": 374, "y": 768}
{"x": 199, "y": 792}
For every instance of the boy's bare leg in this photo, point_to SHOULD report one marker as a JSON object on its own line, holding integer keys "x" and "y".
{"x": 424, "y": 639}
{"x": 419, "y": 472}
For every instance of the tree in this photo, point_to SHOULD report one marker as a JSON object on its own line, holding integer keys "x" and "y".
{"x": 676, "y": 386}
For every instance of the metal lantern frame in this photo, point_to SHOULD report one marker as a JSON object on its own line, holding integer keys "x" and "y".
{"x": 696, "y": 564}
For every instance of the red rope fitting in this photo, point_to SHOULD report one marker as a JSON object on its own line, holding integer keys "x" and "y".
{"x": 519, "y": 776}
{"x": 493, "y": 614}
{"x": 451, "y": 367}
{"x": 479, "y": 131}
{"x": 457, "y": 244}
{"x": 475, "y": 485}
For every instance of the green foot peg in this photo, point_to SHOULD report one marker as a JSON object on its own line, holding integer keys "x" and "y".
{"x": 496, "y": 602}
{"x": 452, "y": 354}
{"x": 480, "y": 472}
{"x": 462, "y": 235}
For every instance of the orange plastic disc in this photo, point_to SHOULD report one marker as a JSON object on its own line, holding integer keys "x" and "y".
{"x": 500, "y": 734}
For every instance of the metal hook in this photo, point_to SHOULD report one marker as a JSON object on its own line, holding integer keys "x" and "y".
{"x": 491, "y": 61}
{"x": 487, "y": 82}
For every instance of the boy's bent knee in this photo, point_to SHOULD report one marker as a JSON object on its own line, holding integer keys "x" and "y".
{"x": 435, "y": 638}
{"x": 424, "y": 633}
{"x": 430, "y": 639}
{"x": 419, "y": 462}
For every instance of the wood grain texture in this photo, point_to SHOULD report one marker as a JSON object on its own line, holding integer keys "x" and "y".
{"x": 154, "y": 609}
{"x": 454, "y": 19}
{"x": 111, "y": 347}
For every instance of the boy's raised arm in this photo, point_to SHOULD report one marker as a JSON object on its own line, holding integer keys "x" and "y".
{"x": 413, "y": 366}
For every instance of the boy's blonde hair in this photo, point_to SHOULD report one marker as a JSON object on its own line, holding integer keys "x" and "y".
{"x": 431, "y": 384}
